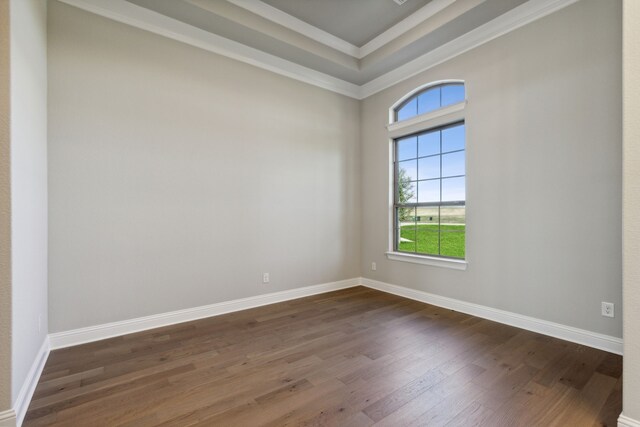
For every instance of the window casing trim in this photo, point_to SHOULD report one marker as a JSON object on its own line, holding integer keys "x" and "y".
{"x": 443, "y": 116}
{"x": 454, "y": 263}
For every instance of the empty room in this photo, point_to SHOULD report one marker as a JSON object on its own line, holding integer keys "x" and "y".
{"x": 319, "y": 213}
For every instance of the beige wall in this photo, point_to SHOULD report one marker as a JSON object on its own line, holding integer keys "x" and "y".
{"x": 23, "y": 191}
{"x": 5, "y": 212}
{"x": 28, "y": 184}
{"x": 543, "y": 172}
{"x": 177, "y": 177}
{"x": 631, "y": 208}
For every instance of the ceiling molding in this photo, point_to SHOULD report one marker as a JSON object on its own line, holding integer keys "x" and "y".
{"x": 408, "y": 23}
{"x": 291, "y": 22}
{"x": 139, "y": 17}
{"x": 503, "y": 24}
{"x": 128, "y": 13}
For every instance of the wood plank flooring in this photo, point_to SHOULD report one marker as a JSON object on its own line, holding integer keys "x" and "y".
{"x": 356, "y": 357}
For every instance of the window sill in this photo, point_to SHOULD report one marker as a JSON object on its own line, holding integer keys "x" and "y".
{"x": 456, "y": 264}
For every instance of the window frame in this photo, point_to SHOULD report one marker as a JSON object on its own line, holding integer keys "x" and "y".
{"x": 449, "y": 115}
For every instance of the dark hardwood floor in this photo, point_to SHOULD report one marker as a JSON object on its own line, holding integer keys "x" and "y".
{"x": 356, "y": 357}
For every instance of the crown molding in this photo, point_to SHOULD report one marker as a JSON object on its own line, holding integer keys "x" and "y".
{"x": 128, "y": 13}
{"x": 408, "y": 23}
{"x": 503, "y": 24}
{"x": 291, "y": 22}
{"x": 139, "y": 17}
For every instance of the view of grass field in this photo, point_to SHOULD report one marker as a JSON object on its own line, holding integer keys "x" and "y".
{"x": 423, "y": 239}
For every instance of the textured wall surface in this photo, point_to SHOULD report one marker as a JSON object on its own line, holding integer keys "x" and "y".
{"x": 544, "y": 149}
{"x": 28, "y": 184}
{"x": 631, "y": 212}
{"x": 177, "y": 177}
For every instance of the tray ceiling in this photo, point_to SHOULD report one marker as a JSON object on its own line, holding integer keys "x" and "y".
{"x": 355, "y": 21}
{"x": 354, "y": 47}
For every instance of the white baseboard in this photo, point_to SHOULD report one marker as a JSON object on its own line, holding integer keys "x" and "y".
{"x": 29, "y": 386}
{"x": 8, "y": 418}
{"x": 624, "y": 421}
{"x": 567, "y": 333}
{"x": 109, "y": 330}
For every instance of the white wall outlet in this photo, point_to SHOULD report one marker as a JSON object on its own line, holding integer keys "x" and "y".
{"x": 265, "y": 277}
{"x": 608, "y": 309}
{"x": 374, "y": 267}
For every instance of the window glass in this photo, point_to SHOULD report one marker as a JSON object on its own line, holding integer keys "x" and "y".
{"x": 427, "y": 239}
{"x": 429, "y": 167}
{"x": 453, "y": 164}
{"x": 429, "y": 143}
{"x": 407, "y": 148}
{"x": 408, "y": 169}
{"x": 453, "y": 189}
{"x": 452, "y": 94}
{"x": 452, "y": 231}
{"x": 410, "y": 109}
{"x": 428, "y": 215}
{"x": 453, "y": 138}
{"x": 407, "y": 192}
{"x": 430, "y": 99}
{"x": 430, "y": 192}
{"x": 406, "y": 229}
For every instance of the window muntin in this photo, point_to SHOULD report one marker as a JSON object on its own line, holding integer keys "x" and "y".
{"x": 430, "y": 99}
{"x": 429, "y": 192}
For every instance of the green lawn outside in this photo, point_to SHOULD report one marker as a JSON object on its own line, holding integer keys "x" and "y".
{"x": 424, "y": 239}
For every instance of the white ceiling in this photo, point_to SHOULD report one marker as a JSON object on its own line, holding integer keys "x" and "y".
{"x": 353, "y": 47}
{"x": 355, "y": 21}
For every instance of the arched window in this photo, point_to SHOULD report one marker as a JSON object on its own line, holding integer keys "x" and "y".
{"x": 427, "y": 131}
{"x": 430, "y": 99}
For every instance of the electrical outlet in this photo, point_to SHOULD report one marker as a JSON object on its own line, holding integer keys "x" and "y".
{"x": 374, "y": 267}
{"x": 608, "y": 309}
{"x": 265, "y": 277}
